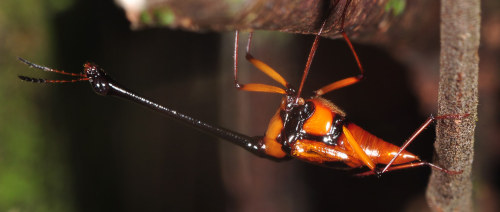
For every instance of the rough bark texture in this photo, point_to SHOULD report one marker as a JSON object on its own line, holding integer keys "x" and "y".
{"x": 460, "y": 23}
{"x": 363, "y": 17}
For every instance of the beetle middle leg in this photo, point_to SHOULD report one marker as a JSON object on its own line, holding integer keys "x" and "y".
{"x": 266, "y": 69}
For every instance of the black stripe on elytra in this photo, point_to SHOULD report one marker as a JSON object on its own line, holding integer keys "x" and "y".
{"x": 293, "y": 122}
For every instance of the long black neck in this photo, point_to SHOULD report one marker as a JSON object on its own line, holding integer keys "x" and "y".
{"x": 252, "y": 144}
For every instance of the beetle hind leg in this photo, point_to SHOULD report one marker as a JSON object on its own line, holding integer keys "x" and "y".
{"x": 378, "y": 172}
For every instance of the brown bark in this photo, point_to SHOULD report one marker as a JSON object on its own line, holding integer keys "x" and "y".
{"x": 363, "y": 17}
{"x": 460, "y": 23}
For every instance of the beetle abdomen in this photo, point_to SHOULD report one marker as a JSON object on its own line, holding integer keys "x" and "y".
{"x": 379, "y": 151}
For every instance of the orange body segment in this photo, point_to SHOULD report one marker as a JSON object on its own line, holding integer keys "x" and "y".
{"x": 353, "y": 146}
{"x": 321, "y": 120}
{"x": 378, "y": 150}
{"x": 361, "y": 154}
{"x": 273, "y": 147}
{"x": 317, "y": 152}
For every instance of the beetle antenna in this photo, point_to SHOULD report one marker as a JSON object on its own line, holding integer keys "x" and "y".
{"x": 44, "y": 68}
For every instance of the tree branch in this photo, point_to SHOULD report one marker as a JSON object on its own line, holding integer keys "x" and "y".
{"x": 294, "y": 16}
{"x": 460, "y": 22}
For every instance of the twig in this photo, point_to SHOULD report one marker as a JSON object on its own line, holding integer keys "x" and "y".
{"x": 460, "y": 22}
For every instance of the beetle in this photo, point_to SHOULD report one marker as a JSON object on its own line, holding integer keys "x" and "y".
{"x": 313, "y": 130}
{"x": 317, "y": 131}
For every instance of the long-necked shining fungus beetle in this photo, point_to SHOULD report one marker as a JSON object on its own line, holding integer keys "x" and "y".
{"x": 313, "y": 130}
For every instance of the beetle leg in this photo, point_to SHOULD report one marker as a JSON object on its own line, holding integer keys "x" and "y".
{"x": 411, "y": 165}
{"x": 266, "y": 69}
{"x": 418, "y": 131}
{"x": 358, "y": 150}
{"x": 320, "y": 153}
{"x": 351, "y": 80}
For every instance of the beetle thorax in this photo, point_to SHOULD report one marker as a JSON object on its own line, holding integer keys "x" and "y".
{"x": 316, "y": 119}
{"x": 294, "y": 115}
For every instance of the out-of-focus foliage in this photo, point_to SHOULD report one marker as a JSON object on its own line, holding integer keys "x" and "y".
{"x": 33, "y": 173}
{"x": 396, "y": 6}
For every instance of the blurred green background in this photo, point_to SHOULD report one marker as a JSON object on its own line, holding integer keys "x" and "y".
{"x": 33, "y": 172}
